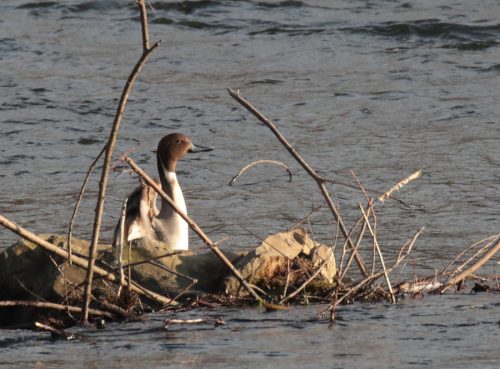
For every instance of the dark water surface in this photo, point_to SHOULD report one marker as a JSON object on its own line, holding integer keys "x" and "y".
{"x": 436, "y": 332}
{"x": 382, "y": 88}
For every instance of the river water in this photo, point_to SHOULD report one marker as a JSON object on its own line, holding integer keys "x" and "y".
{"x": 381, "y": 88}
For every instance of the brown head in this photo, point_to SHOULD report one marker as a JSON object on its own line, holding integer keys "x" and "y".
{"x": 174, "y": 147}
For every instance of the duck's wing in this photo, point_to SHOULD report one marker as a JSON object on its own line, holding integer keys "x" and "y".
{"x": 141, "y": 209}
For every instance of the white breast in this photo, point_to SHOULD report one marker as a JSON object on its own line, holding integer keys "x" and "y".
{"x": 169, "y": 226}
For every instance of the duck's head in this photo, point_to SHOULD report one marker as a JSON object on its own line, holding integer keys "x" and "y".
{"x": 174, "y": 147}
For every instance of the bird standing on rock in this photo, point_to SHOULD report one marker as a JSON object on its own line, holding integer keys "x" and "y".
{"x": 143, "y": 219}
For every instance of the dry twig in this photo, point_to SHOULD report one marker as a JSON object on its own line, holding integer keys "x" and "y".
{"x": 386, "y": 274}
{"x": 52, "y": 306}
{"x": 120, "y": 245}
{"x": 109, "y": 154}
{"x": 304, "y": 285}
{"x": 400, "y": 184}
{"x": 461, "y": 276}
{"x": 320, "y": 181}
{"x": 78, "y": 201}
{"x": 59, "y": 333}
{"x": 215, "y": 322}
{"x": 246, "y": 167}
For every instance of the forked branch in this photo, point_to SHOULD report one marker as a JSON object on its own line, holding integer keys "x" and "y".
{"x": 320, "y": 181}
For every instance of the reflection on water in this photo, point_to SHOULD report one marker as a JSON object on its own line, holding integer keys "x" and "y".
{"x": 381, "y": 88}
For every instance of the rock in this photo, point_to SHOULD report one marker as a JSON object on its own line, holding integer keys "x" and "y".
{"x": 170, "y": 274}
{"x": 268, "y": 265}
{"x": 29, "y": 272}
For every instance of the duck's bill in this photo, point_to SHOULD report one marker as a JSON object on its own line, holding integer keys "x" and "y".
{"x": 196, "y": 148}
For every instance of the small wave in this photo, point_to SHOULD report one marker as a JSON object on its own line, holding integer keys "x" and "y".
{"x": 433, "y": 29}
{"x": 184, "y": 6}
{"x": 99, "y": 5}
{"x": 491, "y": 68}
{"x": 266, "y": 81}
{"x": 88, "y": 141}
{"x": 472, "y": 46}
{"x": 161, "y": 20}
{"x": 38, "y": 5}
{"x": 283, "y": 4}
{"x": 290, "y": 30}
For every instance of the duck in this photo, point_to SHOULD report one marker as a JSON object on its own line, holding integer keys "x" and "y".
{"x": 142, "y": 218}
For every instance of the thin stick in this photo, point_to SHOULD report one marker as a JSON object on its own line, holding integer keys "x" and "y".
{"x": 400, "y": 184}
{"x": 52, "y": 306}
{"x": 120, "y": 246}
{"x": 408, "y": 246}
{"x": 356, "y": 247}
{"x": 193, "y": 226}
{"x": 78, "y": 261}
{"x": 482, "y": 250}
{"x": 110, "y": 147}
{"x": 304, "y": 285}
{"x": 392, "y": 197}
{"x": 144, "y": 25}
{"x": 246, "y": 167}
{"x": 320, "y": 181}
{"x": 145, "y": 261}
{"x": 287, "y": 281}
{"x": 79, "y": 200}
{"x": 460, "y": 277}
{"x": 306, "y": 217}
{"x": 386, "y": 274}
{"x": 215, "y": 322}
{"x": 54, "y": 331}
{"x": 475, "y": 244}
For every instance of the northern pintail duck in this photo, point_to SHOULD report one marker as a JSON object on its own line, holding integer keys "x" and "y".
{"x": 143, "y": 219}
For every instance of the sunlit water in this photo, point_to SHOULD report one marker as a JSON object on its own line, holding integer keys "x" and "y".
{"x": 382, "y": 88}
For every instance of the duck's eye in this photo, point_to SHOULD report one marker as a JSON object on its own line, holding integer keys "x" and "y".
{"x": 178, "y": 141}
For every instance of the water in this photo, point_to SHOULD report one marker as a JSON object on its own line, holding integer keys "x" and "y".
{"x": 382, "y": 88}
{"x": 438, "y": 332}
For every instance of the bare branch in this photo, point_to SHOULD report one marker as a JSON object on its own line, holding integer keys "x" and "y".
{"x": 317, "y": 178}
{"x": 400, "y": 184}
{"x": 79, "y": 200}
{"x": 110, "y": 147}
{"x": 246, "y": 167}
